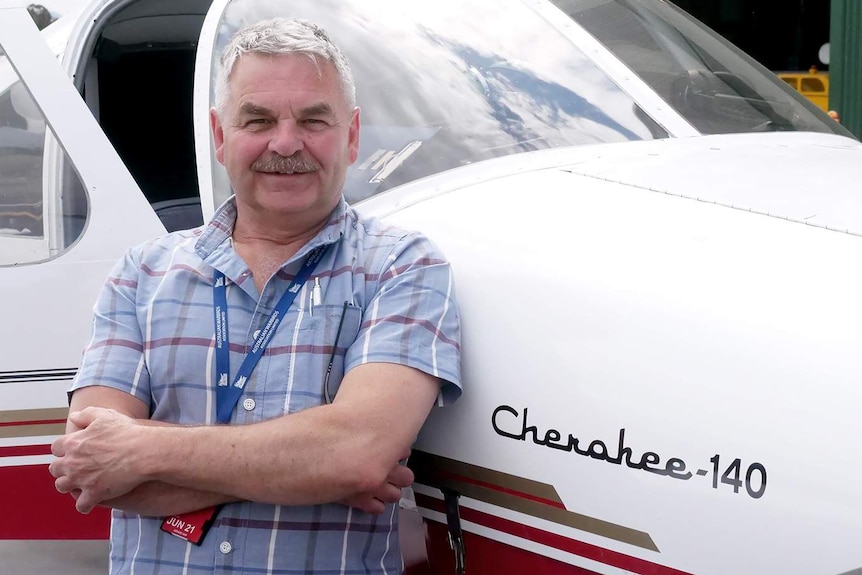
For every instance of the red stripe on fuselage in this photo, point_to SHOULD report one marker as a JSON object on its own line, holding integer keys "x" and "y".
{"x": 32, "y": 509}
{"x": 488, "y": 557}
{"x": 573, "y": 546}
{"x": 35, "y": 422}
{"x": 23, "y": 450}
{"x": 501, "y": 489}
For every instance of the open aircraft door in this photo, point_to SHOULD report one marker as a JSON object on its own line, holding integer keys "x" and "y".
{"x": 68, "y": 210}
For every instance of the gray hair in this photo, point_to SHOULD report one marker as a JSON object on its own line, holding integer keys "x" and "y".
{"x": 279, "y": 37}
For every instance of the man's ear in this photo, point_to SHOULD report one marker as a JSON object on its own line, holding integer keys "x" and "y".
{"x": 353, "y": 136}
{"x": 218, "y": 135}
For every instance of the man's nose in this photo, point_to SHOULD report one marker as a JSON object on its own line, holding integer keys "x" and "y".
{"x": 286, "y": 139}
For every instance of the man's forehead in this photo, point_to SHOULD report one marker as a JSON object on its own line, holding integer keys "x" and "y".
{"x": 299, "y": 61}
{"x": 256, "y": 73}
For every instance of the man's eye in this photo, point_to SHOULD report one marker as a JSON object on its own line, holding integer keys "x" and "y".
{"x": 257, "y": 121}
{"x": 315, "y": 122}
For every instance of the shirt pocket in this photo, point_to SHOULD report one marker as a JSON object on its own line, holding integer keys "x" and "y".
{"x": 323, "y": 336}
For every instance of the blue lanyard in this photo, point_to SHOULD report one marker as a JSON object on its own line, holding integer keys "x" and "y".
{"x": 227, "y": 396}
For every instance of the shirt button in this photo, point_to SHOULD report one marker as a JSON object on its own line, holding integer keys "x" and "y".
{"x": 255, "y": 334}
{"x": 248, "y": 404}
{"x": 225, "y": 547}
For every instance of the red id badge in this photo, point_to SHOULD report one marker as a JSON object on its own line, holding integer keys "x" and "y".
{"x": 192, "y": 526}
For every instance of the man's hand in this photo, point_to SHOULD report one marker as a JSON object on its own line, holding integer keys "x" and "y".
{"x": 389, "y": 492}
{"x": 95, "y": 463}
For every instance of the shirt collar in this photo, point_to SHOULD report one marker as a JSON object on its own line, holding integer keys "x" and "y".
{"x": 219, "y": 229}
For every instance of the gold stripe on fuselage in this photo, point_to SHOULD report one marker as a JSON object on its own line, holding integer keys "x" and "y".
{"x": 33, "y": 422}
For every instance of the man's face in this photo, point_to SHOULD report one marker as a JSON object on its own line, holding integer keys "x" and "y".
{"x": 287, "y": 136}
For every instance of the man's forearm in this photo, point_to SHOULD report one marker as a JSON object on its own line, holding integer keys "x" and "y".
{"x": 320, "y": 455}
{"x": 305, "y": 458}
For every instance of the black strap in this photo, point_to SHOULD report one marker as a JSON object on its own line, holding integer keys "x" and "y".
{"x": 456, "y": 536}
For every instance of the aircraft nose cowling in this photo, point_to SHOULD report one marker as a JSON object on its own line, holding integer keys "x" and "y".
{"x": 652, "y": 333}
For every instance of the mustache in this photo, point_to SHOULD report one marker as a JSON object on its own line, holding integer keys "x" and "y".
{"x": 296, "y": 163}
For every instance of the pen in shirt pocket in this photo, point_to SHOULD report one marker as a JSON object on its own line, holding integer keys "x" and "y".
{"x": 316, "y": 295}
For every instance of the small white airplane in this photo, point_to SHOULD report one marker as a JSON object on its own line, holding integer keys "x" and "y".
{"x": 656, "y": 247}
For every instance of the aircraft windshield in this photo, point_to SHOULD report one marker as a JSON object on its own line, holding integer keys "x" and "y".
{"x": 444, "y": 84}
{"x": 438, "y": 90}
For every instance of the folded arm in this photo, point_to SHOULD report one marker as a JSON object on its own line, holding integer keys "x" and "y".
{"x": 330, "y": 453}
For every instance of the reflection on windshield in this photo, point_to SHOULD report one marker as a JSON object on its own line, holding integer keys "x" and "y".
{"x": 438, "y": 90}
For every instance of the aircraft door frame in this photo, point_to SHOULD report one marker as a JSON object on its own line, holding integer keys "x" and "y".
{"x": 209, "y": 170}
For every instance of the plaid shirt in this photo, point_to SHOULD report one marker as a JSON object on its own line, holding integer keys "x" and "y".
{"x": 154, "y": 338}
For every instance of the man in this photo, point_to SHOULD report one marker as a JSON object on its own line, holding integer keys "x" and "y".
{"x": 306, "y": 476}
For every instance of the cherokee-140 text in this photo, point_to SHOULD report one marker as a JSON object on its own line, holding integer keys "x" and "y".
{"x": 508, "y": 422}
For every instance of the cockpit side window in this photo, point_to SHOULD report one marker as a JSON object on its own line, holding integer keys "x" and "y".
{"x": 36, "y": 222}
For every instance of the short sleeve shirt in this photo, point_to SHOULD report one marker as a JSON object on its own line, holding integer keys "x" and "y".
{"x": 390, "y": 291}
